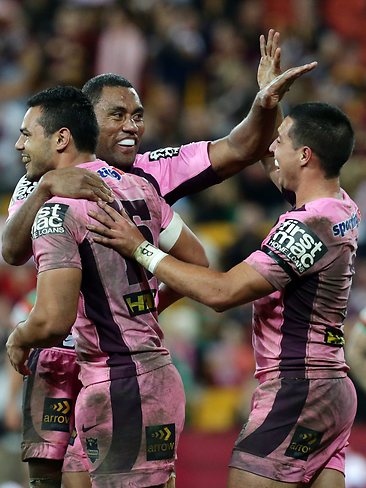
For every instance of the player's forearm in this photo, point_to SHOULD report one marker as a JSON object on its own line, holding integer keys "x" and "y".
{"x": 246, "y": 143}
{"x": 16, "y": 238}
{"x": 36, "y": 333}
{"x": 191, "y": 280}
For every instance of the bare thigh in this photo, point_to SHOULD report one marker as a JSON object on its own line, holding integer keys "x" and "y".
{"x": 76, "y": 479}
{"x": 244, "y": 479}
{"x": 326, "y": 478}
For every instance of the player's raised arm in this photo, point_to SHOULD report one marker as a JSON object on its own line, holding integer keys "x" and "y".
{"x": 250, "y": 139}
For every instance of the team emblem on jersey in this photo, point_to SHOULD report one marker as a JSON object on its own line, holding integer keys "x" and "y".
{"x": 303, "y": 443}
{"x": 92, "y": 448}
{"x": 298, "y": 243}
{"x": 160, "y": 442}
{"x": 49, "y": 220}
{"x": 334, "y": 337}
{"x": 166, "y": 152}
{"x": 342, "y": 228}
{"x": 23, "y": 189}
{"x": 56, "y": 414}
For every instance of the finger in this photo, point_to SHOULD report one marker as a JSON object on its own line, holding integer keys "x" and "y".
{"x": 104, "y": 241}
{"x": 95, "y": 194}
{"x": 275, "y": 43}
{"x": 277, "y": 60}
{"x": 97, "y": 184}
{"x": 269, "y": 42}
{"x": 101, "y": 218}
{"x": 262, "y": 45}
{"x": 102, "y": 231}
{"x": 115, "y": 216}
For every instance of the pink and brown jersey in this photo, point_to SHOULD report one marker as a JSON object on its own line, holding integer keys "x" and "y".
{"x": 116, "y": 332}
{"x": 308, "y": 257}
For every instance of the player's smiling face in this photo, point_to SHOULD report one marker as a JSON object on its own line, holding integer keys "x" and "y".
{"x": 120, "y": 116}
{"x": 34, "y": 145}
{"x": 287, "y": 158}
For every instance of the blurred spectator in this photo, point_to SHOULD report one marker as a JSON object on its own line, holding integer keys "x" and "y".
{"x": 121, "y": 47}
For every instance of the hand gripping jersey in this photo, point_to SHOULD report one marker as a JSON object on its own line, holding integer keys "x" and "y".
{"x": 308, "y": 257}
{"x": 116, "y": 332}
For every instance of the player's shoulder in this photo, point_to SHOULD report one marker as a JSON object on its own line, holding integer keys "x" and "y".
{"x": 167, "y": 154}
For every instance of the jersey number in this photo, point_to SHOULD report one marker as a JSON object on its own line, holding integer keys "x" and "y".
{"x": 137, "y": 208}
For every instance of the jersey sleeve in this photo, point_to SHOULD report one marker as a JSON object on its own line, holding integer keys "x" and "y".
{"x": 292, "y": 249}
{"x": 177, "y": 171}
{"x": 56, "y": 233}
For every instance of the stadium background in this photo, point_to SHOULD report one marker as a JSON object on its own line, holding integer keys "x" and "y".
{"x": 194, "y": 64}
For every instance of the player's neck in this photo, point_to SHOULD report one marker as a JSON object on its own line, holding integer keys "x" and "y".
{"x": 69, "y": 160}
{"x": 323, "y": 188}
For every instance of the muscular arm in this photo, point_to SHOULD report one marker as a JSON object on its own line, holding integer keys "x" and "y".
{"x": 217, "y": 290}
{"x": 220, "y": 291}
{"x": 51, "y": 318}
{"x": 67, "y": 182}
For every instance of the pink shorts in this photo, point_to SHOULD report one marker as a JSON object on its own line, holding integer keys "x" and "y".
{"x": 48, "y": 407}
{"x": 296, "y": 427}
{"x": 130, "y": 427}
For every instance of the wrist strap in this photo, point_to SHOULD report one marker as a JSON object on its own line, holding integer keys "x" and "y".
{"x": 148, "y": 255}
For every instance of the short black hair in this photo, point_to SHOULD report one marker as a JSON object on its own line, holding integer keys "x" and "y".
{"x": 326, "y": 130}
{"x": 93, "y": 87}
{"x": 67, "y": 106}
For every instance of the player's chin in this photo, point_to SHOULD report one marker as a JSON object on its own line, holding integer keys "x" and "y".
{"x": 124, "y": 163}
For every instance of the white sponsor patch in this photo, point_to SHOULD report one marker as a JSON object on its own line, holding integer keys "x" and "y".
{"x": 23, "y": 189}
{"x": 167, "y": 152}
{"x": 49, "y": 220}
{"x": 298, "y": 243}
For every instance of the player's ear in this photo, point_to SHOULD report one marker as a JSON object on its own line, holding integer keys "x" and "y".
{"x": 63, "y": 138}
{"x": 306, "y": 155}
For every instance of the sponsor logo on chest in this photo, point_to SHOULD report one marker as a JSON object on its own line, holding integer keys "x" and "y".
{"x": 50, "y": 220}
{"x": 167, "y": 152}
{"x": 298, "y": 243}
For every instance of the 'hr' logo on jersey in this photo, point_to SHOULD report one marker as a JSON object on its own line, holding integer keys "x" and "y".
{"x": 301, "y": 245}
{"x": 49, "y": 220}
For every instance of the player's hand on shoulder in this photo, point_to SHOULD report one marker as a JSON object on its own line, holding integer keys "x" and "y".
{"x": 76, "y": 183}
{"x": 117, "y": 231}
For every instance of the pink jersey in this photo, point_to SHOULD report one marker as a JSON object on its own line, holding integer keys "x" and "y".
{"x": 116, "y": 332}
{"x": 174, "y": 171}
{"x": 177, "y": 171}
{"x": 308, "y": 257}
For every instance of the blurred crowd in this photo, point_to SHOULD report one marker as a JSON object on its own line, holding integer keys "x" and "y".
{"x": 194, "y": 64}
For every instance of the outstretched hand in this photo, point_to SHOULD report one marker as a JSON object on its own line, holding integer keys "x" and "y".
{"x": 117, "y": 231}
{"x": 270, "y": 63}
{"x": 270, "y": 95}
{"x": 77, "y": 183}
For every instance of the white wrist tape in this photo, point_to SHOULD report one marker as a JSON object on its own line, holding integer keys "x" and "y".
{"x": 148, "y": 255}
